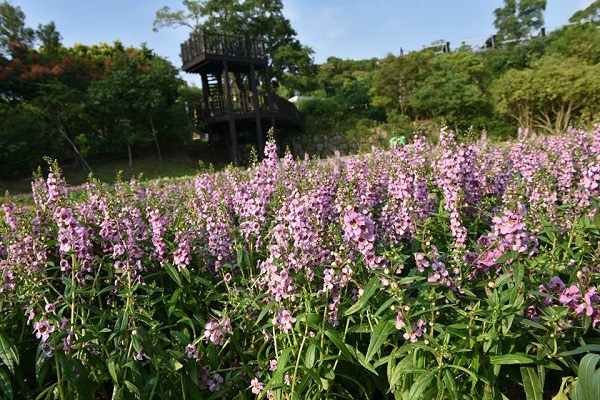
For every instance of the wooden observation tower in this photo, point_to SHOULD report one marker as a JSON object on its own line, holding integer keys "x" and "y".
{"x": 239, "y": 106}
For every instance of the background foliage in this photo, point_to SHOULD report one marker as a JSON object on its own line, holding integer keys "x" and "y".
{"x": 517, "y": 78}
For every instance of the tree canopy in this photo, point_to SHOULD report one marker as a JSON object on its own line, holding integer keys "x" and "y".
{"x": 550, "y": 94}
{"x": 78, "y": 102}
{"x": 13, "y": 30}
{"x": 82, "y": 101}
{"x": 518, "y": 18}
{"x": 262, "y": 19}
{"x": 589, "y": 14}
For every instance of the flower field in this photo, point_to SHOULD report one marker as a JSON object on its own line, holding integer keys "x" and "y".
{"x": 464, "y": 271}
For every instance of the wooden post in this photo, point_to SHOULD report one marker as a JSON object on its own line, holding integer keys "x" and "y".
{"x": 270, "y": 94}
{"x": 232, "y": 132}
{"x": 260, "y": 140}
{"x": 211, "y": 143}
{"x": 222, "y": 107}
{"x": 205, "y": 94}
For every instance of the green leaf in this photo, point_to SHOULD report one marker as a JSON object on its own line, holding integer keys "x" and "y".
{"x": 5, "y": 384}
{"x": 501, "y": 280}
{"x": 467, "y": 371}
{"x": 528, "y": 322}
{"x": 186, "y": 274}
{"x": 132, "y": 388}
{"x": 42, "y": 367}
{"x": 173, "y": 273}
{"x": 112, "y": 370}
{"x": 339, "y": 343}
{"x": 421, "y": 383}
{"x": 588, "y": 348}
{"x": 122, "y": 322}
{"x": 150, "y": 386}
{"x": 310, "y": 372}
{"x": 8, "y": 353}
{"x": 531, "y": 383}
{"x": 385, "y": 306}
{"x": 383, "y": 329}
{"x": 450, "y": 385}
{"x": 511, "y": 255}
{"x": 265, "y": 310}
{"x": 309, "y": 357}
{"x": 597, "y": 218}
{"x": 399, "y": 371}
{"x": 362, "y": 360}
{"x": 47, "y": 393}
{"x": 518, "y": 273}
{"x": 561, "y": 395}
{"x": 588, "y": 383}
{"x": 181, "y": 338}
{"x": 516, "y": 358}
{"x": 368, "y": 291}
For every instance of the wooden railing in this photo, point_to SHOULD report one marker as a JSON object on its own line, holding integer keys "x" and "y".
{"x": 244, "y": 105}
{"x": 206, "y": 44}
{"x": 287, "y": 109}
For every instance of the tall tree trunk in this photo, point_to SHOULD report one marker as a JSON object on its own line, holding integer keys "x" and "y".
{"x": 155, "y": 135}
{"x": 129, "y": 154}
{"x": 61, "y": 129}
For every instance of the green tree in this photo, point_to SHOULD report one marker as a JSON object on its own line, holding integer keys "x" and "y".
{"x": 137, "y": 91}
{"x": 262, "y": 19}
{"x": 13, "y": 30}
{"x": 513, "y": 95}
{"x": 452, "y": 92}
{"x": 550, "y": 95}
{"x": 589, "y": 14}
{"x": 397, "y": 78}
{"x": 518, "y": 18}
{"x": 580, "y": 40}
{"x": 63, "y": 108}
{"x": 336, "y": 73}
{"x": 49, "y": 38}
{"x": 25, "y": 138}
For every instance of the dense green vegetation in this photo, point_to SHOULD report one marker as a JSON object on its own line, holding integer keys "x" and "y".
{"x": 90, "y": 102}
{"x": 545, "y": 84}
{"x": 455, "y": 272}
{"x": 84, "y": 101}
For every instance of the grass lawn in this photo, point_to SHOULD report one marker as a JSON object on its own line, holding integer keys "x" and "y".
{"x": 144, "y": 167}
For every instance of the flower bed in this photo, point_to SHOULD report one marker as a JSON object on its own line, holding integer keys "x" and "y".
{"x": 465, "y": 271}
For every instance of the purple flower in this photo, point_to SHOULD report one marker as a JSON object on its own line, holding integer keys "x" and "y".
{"x": 257, "y": 387}
{"x": 214, "y": 382}
{"x": 182, "y": 256}
{"x": 284, "y": 320}
{"x": 47, "y": 350}
{"x": 32, "y": 315}
{"x": 415, "y": 332}
{"x": 191, "y": 351}
{"x": 67, "y": 342}
{"x": 50, "y": 308}
{"x": 399, "y": 324}
{"x": 272, "y": 365}
{"x": 359, "y": 231}
{"x": 590, "y": 299}
{"x": 43, "y": 329}
{"x": 570, "y": 296}
{"x": 141, "y": 356}
{"x": 226, "y": 325}
{"x": 213, "y": 333}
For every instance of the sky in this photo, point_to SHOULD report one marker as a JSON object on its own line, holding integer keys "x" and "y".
{"x": 347, "y": 29}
